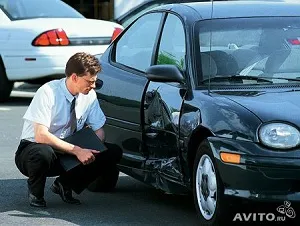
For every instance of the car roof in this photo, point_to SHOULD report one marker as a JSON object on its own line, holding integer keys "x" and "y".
{"x": 233, "y": 9}
{"x": 148, "y": 3}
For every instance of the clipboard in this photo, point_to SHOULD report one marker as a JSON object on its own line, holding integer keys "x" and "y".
{"x": 84, "y": 138}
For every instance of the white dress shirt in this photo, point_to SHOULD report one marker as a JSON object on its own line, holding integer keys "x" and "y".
{"x": 51, "y": 107}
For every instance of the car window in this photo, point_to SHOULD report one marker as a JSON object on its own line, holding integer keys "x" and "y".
{"x": 172, "y": 45}
{"x": 135, "y": 47}
{"x": 257, "y": 47}
{"x": 26, "y": 9}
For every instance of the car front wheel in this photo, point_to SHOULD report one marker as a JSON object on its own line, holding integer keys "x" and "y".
{"x": 207, "y": 187}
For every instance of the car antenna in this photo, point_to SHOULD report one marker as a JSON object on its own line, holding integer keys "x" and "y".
{"x": 210, "y": 40}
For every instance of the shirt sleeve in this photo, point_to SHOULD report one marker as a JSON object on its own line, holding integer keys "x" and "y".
{"x": 40, "y": 108}
{"x": 96, "y": 118}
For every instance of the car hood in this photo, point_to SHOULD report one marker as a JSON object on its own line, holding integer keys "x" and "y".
{"x": 269, "y": 106}
{"x": 74, "y": 27}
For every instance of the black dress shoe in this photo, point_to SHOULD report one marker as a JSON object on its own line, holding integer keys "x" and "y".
{"x": 36, "y": 202}
{"x": 64, "y": 193}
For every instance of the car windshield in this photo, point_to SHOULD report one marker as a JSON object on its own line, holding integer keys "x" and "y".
{"x": 28, "y": 9}
{"x": 249, "y": 50}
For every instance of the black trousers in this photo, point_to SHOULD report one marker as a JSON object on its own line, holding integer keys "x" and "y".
{"x": 39, "y": 161}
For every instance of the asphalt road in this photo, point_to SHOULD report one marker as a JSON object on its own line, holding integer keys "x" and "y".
{"x": 133, "y": 203}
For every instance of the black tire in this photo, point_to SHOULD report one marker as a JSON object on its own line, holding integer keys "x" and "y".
{"x": 106, "y": 182}
{"x": 217, "y": 216}
{"x": 5, "y": 85}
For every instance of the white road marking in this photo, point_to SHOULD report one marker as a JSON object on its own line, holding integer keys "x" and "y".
{"x": 15, "y": 217}
{"x": 4, "y": 109}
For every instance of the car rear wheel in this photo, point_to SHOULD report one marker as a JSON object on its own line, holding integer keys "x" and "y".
{"x": 106, "y": 182}
{"x": 5, "y": 85}
{"x": 207, "y": 187}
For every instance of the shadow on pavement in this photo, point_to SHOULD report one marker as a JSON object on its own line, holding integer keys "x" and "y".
{"x": 133, "y": 203}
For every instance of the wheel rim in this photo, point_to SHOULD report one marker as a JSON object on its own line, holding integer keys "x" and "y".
{"x": 206, "y": 187}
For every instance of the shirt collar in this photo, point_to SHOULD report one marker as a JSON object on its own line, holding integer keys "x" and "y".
{"x": 65, "y": 90}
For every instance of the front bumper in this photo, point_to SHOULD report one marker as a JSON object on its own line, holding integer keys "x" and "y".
{"x": 263, "y": 174}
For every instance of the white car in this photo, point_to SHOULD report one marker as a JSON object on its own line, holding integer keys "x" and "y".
{"x": 37, "y": 37}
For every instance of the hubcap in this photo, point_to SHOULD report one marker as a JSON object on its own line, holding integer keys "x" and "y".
{"x": 206, "y": 187}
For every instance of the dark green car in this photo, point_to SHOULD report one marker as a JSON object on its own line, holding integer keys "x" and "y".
{"x": 206, "y": 99}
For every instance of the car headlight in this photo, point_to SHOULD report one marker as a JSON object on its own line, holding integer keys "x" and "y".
{"x": 279, "y": 135}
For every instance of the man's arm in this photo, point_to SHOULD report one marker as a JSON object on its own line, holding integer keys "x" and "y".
{"x": 42, "y": 135}
{"x": 100, "y": 133}
{"x": 96, "y": 118}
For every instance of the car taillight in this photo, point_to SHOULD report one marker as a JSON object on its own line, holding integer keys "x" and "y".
{"x": 294, "y": 41}
{"x": 56, "y": 37}
{"x": 117, "y": 31}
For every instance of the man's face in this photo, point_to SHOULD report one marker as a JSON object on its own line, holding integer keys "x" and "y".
{"x": 85, "y": 83}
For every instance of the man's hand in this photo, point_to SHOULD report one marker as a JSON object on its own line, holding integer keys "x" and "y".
{"x": 86, "y": 156}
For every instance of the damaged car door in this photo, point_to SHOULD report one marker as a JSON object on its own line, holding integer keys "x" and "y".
{"x": 123, "y": 73}
{"x": 162, "y": 105}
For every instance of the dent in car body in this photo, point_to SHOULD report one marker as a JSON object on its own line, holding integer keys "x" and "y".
{"x": 162, "y": 106}
{"x": 165, "y": 174}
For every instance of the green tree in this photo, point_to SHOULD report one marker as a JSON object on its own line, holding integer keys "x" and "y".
{"x": 168, "y": 58}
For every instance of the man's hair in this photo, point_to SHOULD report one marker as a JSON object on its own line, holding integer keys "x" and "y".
{"x": 81, "y": 63}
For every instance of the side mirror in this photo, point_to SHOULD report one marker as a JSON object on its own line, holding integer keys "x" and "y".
{"x": 164, "y": 73}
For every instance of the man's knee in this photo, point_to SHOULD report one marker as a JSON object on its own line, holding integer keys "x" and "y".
{"x": 115, "y": 152}
{"x": 118, "y": 153}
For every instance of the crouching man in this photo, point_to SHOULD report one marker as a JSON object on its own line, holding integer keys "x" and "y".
{"x": 58, "y": 109}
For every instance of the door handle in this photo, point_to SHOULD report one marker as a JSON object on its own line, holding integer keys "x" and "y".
{"x": 151, "y": 135}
